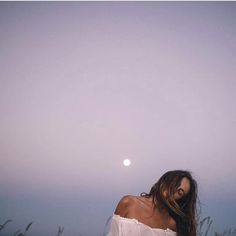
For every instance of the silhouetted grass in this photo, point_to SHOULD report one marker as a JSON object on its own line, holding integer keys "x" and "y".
{"x": 60, "y": 231}
{"x": 205, "y": 226}
{"x": 19, "y": 233}
{"x": 4, "y": 224}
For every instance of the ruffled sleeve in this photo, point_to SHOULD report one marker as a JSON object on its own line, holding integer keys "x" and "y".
{"x": 114, "y": 228}
{"x": 121, "y": 227}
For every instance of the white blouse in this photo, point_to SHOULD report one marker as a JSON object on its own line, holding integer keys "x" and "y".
{"x": 121, "y": 226}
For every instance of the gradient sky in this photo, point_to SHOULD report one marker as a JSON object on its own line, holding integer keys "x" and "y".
{"x": 84, "y": 85}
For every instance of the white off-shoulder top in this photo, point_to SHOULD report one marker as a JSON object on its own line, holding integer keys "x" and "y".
{"x": 121, "y": 226}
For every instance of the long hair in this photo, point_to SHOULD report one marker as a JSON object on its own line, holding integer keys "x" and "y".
{"x": 183, "y": 210}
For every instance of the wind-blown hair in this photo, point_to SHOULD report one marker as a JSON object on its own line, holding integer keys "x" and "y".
{"x": 182, "y": 210}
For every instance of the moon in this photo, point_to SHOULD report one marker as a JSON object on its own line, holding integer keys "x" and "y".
{"x": 126, "y": 162}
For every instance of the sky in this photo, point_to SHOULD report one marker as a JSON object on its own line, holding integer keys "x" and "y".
{"x": 85, "y": 85}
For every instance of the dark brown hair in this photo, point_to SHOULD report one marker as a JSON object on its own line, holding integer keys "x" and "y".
{"x": 183, "y": 210}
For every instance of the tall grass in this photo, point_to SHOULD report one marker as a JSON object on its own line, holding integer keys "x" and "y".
{"x": 4, "y": 224}
{"x": 18, "y": 232}
{"x": 205, "y": 229}
{"x": 60, "y": 230}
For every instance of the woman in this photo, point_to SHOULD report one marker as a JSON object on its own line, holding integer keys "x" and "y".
{"x": 168, "y": 209}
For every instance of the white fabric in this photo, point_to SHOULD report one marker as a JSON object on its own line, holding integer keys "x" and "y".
{"x": 121, "y": 226}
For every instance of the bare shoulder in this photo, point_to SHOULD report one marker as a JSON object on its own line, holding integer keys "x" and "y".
{"x": 124, "y": 205}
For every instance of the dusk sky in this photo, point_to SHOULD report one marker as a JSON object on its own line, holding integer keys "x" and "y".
{"x": 85, "y": 85}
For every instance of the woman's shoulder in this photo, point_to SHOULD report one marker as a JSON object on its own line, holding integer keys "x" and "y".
{"x": 125, "y": 203}
{"x": 128, "y": 199}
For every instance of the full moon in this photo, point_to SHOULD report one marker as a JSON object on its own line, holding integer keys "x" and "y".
{"x": 126, "y": 162}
